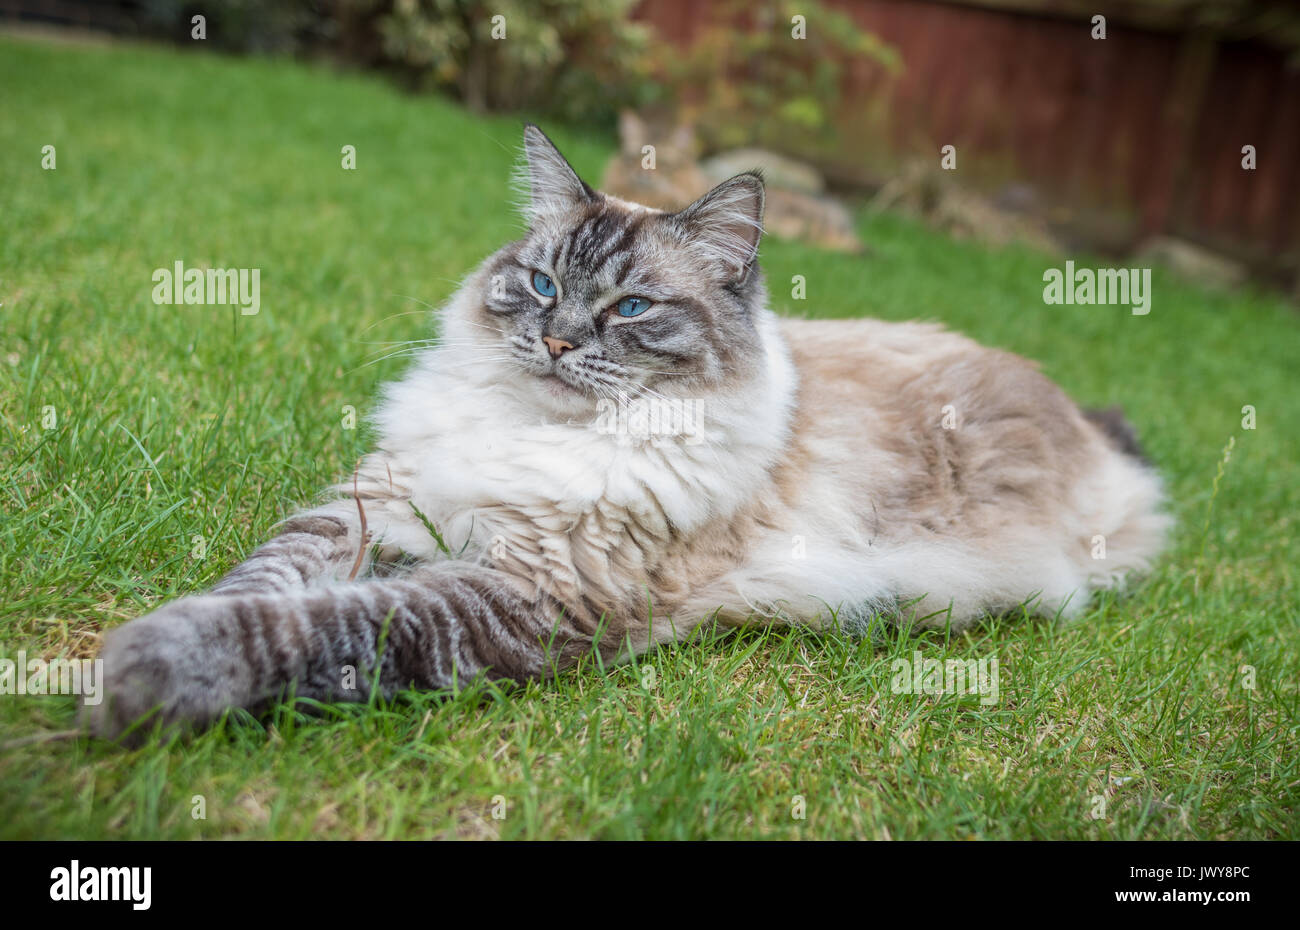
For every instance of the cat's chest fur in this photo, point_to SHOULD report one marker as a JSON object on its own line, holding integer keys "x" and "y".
{"x": 579, "y": 511}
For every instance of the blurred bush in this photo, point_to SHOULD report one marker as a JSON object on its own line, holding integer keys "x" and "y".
{"x": 741, "y": 80}
{"x": 571, "y": 59}
{"x": 746, "y": 79}
{"x": 577, "y": 59}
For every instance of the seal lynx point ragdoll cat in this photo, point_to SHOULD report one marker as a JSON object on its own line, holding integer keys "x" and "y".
{"x": 577, "y": 537}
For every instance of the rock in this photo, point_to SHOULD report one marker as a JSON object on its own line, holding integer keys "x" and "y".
{"x": 778, "y": 170}
{"x": 1192, "y": 262}
{"x": 927, "y": 193}
{"x": 797, "y": 206}
{"x": 822, "y": 221}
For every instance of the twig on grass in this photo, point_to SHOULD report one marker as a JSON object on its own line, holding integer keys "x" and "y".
{"x": 361, "y": 546}
{"x": 39, "y": 738}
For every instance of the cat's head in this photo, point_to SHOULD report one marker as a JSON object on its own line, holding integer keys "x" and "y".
{"x": 603, "y": 297}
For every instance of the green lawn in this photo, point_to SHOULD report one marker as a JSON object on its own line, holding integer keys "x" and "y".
{"x": 178, "y": 422}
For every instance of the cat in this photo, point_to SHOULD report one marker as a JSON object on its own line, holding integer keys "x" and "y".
{"x": 530, "y": 498}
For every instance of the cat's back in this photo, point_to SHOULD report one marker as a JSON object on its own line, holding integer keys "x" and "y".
{"x": 930, "y": 420}
{"x": 903, "y": 368}
{"x": 848, "y": 349}
{"x": 903, "y": 364}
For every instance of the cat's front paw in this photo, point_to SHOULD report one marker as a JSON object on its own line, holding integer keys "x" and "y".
{"x": 170, "y": 666}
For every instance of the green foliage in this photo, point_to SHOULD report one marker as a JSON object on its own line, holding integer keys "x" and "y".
{"x": 577, "y": 59}
{"x": 747, "y": 77}
{"x": 568, "y": 59}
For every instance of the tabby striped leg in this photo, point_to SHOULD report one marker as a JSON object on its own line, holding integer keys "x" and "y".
{"x": 310, "y": 548}
{"x": 198, "y": 656}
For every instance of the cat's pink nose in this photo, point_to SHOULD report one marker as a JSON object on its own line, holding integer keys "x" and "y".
{"x": 556, "y": 346}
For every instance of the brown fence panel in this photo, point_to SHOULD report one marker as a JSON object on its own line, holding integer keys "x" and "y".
{"x": 1135, "y": 135}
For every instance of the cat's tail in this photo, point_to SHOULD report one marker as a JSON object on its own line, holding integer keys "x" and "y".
{"x": 1116, "y": 427}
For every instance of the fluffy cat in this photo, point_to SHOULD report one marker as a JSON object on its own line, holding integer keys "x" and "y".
{"x": 618, "y": 441}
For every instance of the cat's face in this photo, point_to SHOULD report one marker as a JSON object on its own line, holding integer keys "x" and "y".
{"x": 603, "y": 297}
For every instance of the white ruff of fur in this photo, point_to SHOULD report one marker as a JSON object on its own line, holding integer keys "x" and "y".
{"x": 561, "y": 505}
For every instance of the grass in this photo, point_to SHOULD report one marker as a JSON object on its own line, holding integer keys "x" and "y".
{"x": 184, "y": 433}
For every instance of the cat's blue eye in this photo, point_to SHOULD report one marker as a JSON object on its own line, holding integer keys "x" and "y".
{"x": 543, "y": 285}
{"x": 632, "y": 306}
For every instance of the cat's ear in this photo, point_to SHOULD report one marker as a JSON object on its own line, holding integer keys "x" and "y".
{"x": 552, "y": 184}
{"x": 726, "y": 223}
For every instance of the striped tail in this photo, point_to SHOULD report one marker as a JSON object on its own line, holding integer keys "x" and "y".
{"x": 1116, "y": 427}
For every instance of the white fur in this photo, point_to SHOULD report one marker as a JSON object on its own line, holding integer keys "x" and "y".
{"x": 492, "y": 465}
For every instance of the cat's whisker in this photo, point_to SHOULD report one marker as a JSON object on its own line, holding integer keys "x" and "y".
{"x": 640, "y": 390}
{"x": 423, "y": 303}
{"x": 400, "y": 350}
{"x": 416, "y": 350}
{"x": 485, "y": 346}
{"x": 658, "y": 371}
{"x": 393, "y": 316}
{"x": 470, "y": 363}
{"x": 434, "y": 345}
{"x": 385, "y": 358}
{"x": 397, "y": 342}
{"x": 492, "y": 329}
